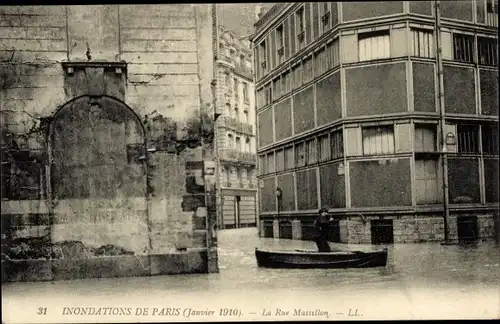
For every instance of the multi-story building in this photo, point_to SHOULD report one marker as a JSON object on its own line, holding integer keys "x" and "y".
{"x": 236, "y": 145}
{"x": 386, "y": 112}
{"x": 107, "y": 132}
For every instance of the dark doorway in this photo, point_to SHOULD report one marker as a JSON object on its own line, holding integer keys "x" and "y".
{"x": 334, "y": 232}
{"x": 467, "y": 230}
{"x": 237, "y": 201}
{"x": 382, "y": 231}
{"x": 268, "y": 229}
{"x": 285, "y": 230}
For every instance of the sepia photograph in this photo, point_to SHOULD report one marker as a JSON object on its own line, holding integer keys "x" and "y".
{"x": 223, "y": 162}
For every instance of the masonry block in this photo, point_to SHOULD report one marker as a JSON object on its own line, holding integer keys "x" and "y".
{"x": 296, "y": 230}
{"x": 276, "y": 228}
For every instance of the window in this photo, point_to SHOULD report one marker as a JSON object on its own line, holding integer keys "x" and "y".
{"x": 324, "y": 148}
{"x": 320, "y": 62}
{"x": 468, "y": 138}
{"x": 325, "y": 17}
{"x": 463, "y": 48}
{"x": 245, "y": 91}
{"x": 239, "y": 177}
{"x": 280, "y": 45}
{"x": 238, "y": 144}
{"x": 378, "y": 140}
{"x": 250, "y": 178}
{"x": 373, "y": 46}
{"x": 422, "y": 43}
{"x": 270, "y": 162}
{"x": 307, "y": 70}
{"x": 300, "y": 155}
{"x": 280, "y": 161}
{"x": 262, "y": 55}
{"x": 289, "y": 159}
{"x": 337, "y": 144}
{"x": 284, "y": 86}
{"x": 262, "y": 164}
{"x": 311, "y": 149}
{"x": 487, "y": 51}
{"x": 225, "y": 176}
{"x": 247, "y": 144}
{"x": 332, "y": 53}
{"x": 288, "y": 80}
{"x": 228, "y": 109}
{"x": 297, "y": 76}
{"x": 299, "y": 21}
{"x": 425, "y": 138}
{"x": 490, "y": 139}
{"x": 261, "y": 100}
{"x": 276, "y": 88}
{"x": 226, "y": 80}
{"x": 230, "y": 142}
{"x": 426, "y": 182}
{"x": 268, "y": 94}
{"x": 491, "y": 12}
{"x": 235, "y": 87}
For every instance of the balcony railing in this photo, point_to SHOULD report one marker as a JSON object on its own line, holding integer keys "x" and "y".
{"x": 244, "y": 70}
{"x": 238, "y": 156}
{"x": 226, "y": 59}
{"x": 232, "y": 123}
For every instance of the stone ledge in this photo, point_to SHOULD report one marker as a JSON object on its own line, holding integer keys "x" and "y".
{"x": 105, "y": 267}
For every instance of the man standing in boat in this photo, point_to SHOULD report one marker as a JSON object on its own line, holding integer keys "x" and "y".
{"x": 321, "y": 226}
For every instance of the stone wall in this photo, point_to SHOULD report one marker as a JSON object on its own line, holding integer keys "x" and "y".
{"x": 153, "y": 60}
{"x": 406, "y": 229}
{"x": 411, "y": 229}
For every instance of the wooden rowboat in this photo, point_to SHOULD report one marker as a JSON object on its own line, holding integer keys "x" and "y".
{"x": 305, "y": 259}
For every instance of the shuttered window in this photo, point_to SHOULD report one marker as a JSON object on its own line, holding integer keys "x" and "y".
{"x": 463, "y": 48}
{"x": 378, "y": 140}
{"x": 373, "y": 46}
{"x": 422, "y": 44}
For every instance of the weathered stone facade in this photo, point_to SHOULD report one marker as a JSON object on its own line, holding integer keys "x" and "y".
{"x": 107, "y": 131}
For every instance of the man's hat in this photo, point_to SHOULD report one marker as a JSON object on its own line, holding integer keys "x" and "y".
{"x": 323, "y": 209}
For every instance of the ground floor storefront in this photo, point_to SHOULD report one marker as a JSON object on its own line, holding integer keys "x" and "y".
{"x": 415, "y": 228}
{"x": 239, "y": 208}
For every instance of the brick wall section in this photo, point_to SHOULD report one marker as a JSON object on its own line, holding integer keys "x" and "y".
{"x": 410, "y": 229}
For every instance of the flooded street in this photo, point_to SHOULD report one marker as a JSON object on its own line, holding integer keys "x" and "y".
{"x": 421, "y": 281}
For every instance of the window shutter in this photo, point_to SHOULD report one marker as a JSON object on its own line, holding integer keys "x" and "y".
{"x": 353, "y": 141}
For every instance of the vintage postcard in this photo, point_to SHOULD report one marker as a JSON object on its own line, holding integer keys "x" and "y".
{"x": 250, "y": 161}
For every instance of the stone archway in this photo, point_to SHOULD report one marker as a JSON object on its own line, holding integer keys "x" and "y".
{"x": 98, "y": 174}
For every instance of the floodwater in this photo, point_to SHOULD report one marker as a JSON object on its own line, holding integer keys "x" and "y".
{"x": 421, "y": 281}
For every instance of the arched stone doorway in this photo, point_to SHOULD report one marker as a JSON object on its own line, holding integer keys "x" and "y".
{"x": 98, "y": 174}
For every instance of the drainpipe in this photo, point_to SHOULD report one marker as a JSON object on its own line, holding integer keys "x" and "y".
{"x": 444, "y": 155}
{"x": 218, "y": 189}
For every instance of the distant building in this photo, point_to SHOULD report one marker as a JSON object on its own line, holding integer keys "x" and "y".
{"x": 235, "y": 100}
{"x": 349, "y": 116}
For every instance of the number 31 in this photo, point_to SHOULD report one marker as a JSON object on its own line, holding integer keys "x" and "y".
{"x": 42, "y": 311}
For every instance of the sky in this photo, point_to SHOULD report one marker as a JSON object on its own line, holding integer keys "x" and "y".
{"x": 240, "y": 17}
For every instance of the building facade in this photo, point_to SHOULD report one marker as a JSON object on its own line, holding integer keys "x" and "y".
{"x": 387, "y": 112}
{"x": 236, "y": 145}
{"x": 107, "y": 141}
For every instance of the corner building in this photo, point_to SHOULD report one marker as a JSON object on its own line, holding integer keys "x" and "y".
{"x": 350, "y": 116}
